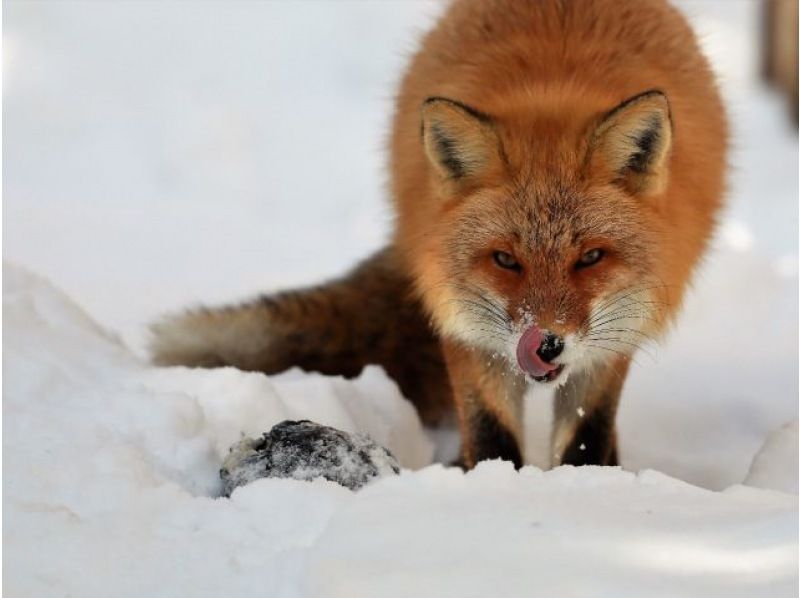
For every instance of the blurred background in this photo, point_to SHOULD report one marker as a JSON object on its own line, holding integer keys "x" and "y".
{"x": 162, "y": 154}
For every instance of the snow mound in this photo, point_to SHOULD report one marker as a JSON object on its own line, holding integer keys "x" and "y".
{"x": 111, "y": 467}
{"x": 776, "y": 466}
{"x": 589, "y": 531}
{"x": 305, "y": 451}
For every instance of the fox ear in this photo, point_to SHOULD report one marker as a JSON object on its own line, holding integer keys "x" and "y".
{"x": 459, "y": 141}
{"x": 632, "y": 143}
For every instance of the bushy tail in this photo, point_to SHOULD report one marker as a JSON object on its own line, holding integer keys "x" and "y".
{"x": 367, "y": 317}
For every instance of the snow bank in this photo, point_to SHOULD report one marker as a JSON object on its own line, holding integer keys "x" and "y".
{"x": 568, "y": 532}
{"x": 776, "y": 464}
{"x": 111, "y": 469}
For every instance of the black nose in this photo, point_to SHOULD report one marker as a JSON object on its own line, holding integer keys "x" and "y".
{"x": 551, "y": 347}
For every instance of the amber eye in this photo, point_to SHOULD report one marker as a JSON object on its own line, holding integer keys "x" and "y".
{"x": 506, "y": 260}
{"x": 590, "y": 258}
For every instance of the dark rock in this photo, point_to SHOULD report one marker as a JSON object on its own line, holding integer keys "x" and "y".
{"x": 304, "y": 450}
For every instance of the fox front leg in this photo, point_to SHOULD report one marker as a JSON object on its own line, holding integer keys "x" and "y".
{"x": 584, "y": 431}
{"x": 488, "y": 398}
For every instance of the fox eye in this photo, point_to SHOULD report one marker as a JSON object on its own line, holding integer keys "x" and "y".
{"x": 506, "y": 260}
{"x": 590, "y": 258}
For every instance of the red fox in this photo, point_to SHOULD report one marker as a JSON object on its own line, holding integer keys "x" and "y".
{"x": 556, "y": 170}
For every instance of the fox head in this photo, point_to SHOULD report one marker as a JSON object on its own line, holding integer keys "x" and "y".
{"x": 547, "y": 248}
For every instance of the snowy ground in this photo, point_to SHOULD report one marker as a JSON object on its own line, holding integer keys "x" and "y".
{"x": 193, "y": 152}
{"x": 110, "y": 476}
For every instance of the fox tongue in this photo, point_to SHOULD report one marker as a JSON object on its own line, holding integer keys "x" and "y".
{"x": 527, "y": 358}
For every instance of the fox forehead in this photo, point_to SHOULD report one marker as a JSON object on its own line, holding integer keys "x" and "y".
{"x": 545, "y": 195}
{"x": 547, "y": 216}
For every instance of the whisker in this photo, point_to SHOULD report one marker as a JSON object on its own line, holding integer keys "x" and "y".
{"x": 636, "y": 346}
{"x": 616, "y": 316}
{"x": 484, "y": 303}
{"x": 621, "y": 353}
{"x": 634, "y": 291}
{"x": 629, "y": 330}
{"x": 614, "y": 299}
{"x": 480, "y": 312}
{"x": 632, "y": 305}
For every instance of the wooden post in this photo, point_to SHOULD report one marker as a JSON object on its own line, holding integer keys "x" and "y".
{"x": 779, "y": 66}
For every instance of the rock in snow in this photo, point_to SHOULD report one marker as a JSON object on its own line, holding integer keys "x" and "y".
{"x": 304, "y": 450}
{"x": 111, "y": 486}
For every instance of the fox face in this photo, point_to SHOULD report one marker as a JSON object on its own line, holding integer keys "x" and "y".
{"x": 548, "y": 249}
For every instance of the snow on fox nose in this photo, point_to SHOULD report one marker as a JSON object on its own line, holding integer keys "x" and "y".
{"x": 536, "y": 349}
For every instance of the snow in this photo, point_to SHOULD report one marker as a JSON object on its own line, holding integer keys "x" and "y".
{"x": 205, "y": 152}
{"x": 594, "y": 532}
{"x": 775, "y": 466}
{"x": 111, "y": 471}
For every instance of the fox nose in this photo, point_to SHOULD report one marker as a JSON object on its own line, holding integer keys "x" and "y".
{"x": 551, "y": 347}
{"x": 536, "y": 349}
